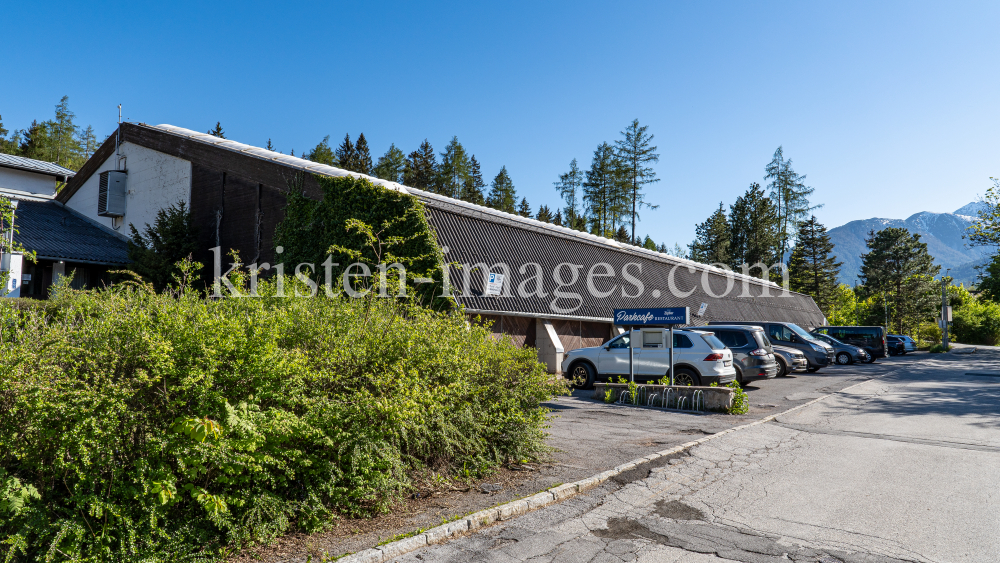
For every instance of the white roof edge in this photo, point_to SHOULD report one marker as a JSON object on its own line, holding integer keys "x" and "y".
{"x": 326, "y": 170}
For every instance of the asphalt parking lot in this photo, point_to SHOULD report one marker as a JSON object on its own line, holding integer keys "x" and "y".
{"x": 901, "y": 467}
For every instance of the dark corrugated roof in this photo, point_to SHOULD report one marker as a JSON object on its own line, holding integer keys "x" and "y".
{"x": 53, "y": 231}
{"x": 491, "y": 239}
{"x": 32, "y": 165}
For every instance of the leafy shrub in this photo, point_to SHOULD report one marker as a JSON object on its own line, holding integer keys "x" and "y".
{"x": 741, "y": 401}
{"x": 976, "y": 321}
{"x": 137, "y": 426}
{"x": 938, "y": 348}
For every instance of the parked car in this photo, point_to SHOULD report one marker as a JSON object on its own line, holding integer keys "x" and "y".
{"x": 789, "y": 360}
{"x": 908, "y": 344}
{"x": 699, "y": 359}
{"x": 871, "y": 338}
{"x": 791, "y": 335}
{"x": 752, "y": 353}
{"x": 894, "y": 345}
{"x": 843, "y": 352}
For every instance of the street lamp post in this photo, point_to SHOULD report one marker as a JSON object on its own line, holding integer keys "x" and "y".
{"x": 944, "y": 309}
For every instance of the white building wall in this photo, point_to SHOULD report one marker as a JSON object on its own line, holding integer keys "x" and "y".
{"x": 155, "y": 181}
{"x": 30, "y": 182}
{"x": 10, "y": 272}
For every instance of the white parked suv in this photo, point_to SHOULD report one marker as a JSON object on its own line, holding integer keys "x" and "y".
{"x": 699, "y": 359}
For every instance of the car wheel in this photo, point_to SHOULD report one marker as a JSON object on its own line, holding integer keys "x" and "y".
{"x": 844, "y": 358}
{"x": 686, "y": 377}
{"x": 739, "y": 376}
{"x": 582, "y": 375}
{"x": 811, "y": 369}
{"x": 782, "y": 368}
{"x": 871, "y": 358}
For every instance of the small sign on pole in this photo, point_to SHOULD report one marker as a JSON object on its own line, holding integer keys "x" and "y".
{"x": 494, "y": 285}
{"x": 701, "y": 310}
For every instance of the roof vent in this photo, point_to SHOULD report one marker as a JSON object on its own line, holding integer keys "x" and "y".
{"x": 111, "y": 193}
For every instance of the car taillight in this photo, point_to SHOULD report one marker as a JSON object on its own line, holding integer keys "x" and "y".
{"x": 759, "y": 352}
{"x": 712, "y": 357}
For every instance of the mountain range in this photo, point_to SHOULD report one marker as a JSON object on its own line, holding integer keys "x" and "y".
{"x": 941, "y": 231}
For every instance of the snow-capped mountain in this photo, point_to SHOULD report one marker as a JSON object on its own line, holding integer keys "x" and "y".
{"x": 941, "y": 231}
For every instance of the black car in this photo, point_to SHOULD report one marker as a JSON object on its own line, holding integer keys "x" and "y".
{"x": 895, "y": 345}
{"x": 871, "y": 338}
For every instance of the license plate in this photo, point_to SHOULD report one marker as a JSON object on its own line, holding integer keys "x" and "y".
{"x": 727, "y": 363}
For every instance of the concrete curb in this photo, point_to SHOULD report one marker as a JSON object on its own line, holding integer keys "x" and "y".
{"x": 512, "y": 509}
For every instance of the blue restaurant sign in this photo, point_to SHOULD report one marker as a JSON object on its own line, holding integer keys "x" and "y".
{"x": 660, "y": 316}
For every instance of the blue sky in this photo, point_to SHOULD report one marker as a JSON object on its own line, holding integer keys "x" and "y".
{"x": 890, "y": 108}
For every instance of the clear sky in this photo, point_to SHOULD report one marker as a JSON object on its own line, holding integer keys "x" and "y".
{"x": 890, "y": 108}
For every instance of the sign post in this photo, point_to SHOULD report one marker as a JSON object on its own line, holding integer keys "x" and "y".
{"x": 667, "y": 317}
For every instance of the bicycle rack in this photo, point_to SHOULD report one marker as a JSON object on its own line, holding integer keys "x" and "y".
{"x": 698, "y": 400}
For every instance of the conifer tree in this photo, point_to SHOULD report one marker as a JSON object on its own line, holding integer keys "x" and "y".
{"x": 347, "y": 156}
{"x": 648, "y": 243}
{"x": 544, "y": 214}
{"x": 35, "y": 142}
{"x": 558, "y": 219}
{"x": 472, "y": 186}
{"x": 502, "y": 195}
{"x": 791, "y": 199}
{"x": 568, "y": 186}
{"x": 391, "y": 165}
{"x": 898, "y": 266}
{"x": 454, "y": 171}
{"x": 362, "y": 156}
{"x": 421, "y": 167}
{"x": 524, "y": 209}
{"x": 621, "y": 235}
{"x": 635, "y": 154}
{"x": 604, "y": 191}
{"x": 62, "y": 132}
{"x": 321, "y": 153}
{"x": 712, "y": 238}
{"x": 88, "y": 145}
{"x": 8, "y": 145}
{"x": 217, "y": 131}
{"x": 269, "y": 146}
{"x": 813, "y": 269}
{"x": 753, "y": 222}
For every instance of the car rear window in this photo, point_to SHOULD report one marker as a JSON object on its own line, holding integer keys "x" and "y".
{"x": 761, "y": 339}
{"x": 732, "y": 338}
{"x": 713, "y": 342}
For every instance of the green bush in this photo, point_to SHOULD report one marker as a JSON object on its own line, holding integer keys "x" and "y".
{"x": 741, "y": 401}
{"x": 938, "y": 348}
{"x": 976, "y": 321}
{"x": 137, "y": 426}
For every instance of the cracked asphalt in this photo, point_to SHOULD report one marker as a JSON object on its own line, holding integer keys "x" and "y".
{"x": 901, "y": 468}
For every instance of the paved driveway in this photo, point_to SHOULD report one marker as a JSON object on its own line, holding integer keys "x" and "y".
{"x": 900, "y": 468}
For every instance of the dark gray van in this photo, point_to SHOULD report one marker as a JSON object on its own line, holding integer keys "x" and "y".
{"x": 791, "y": 335}
{"x": 753, "y": 357}
{"x": 871, "y": 338}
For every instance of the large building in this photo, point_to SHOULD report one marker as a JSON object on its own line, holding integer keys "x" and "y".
{"x": 237, "y": 195}
{"x": 64, "y": 242}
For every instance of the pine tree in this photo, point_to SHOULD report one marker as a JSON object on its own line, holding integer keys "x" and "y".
{"x": 472, "y": 186}
{"x": 753, "y": 236}
{"x": 156, "y": 251}
{"x": 347, "y": 156}
{"x": 635, "y": 154}
{"x": 454, "y": 171}
{"x": 321, "y": 153}
{"x": 524, "y": 209}
{"x": 558, "y": 219}
{"x": 604, "y": 191}
{"x": 362, "y": 156}
{"x": 421, "y": 168}
{"x": 35, "y": 142}
{"x": 217, "y": 131}
{"x": 812, "y": 269}
{"x": 269, "y": 146}
{"x": 62, "y": 132}
{"x": 568, "y": 186}
{"x": 88, "y": 145}
{"x": 544, "y": 214}
{"x": 648, "y": 243}
{"x": 790, "y": 196}
{"x": 898, "y": 266}
{"x": 8, "y": 145}
{"x": 502, "y": 196}
{"x": 391, "y": 165}
{"x": 711, "y": 244}
{"x": 621, "y": 235}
